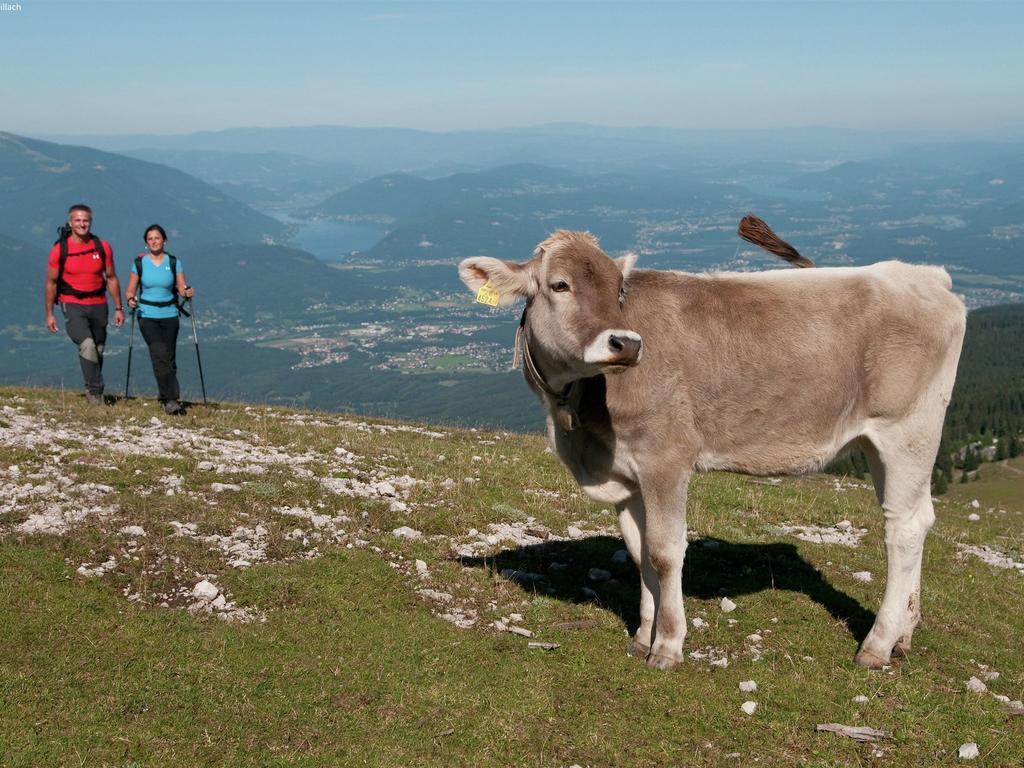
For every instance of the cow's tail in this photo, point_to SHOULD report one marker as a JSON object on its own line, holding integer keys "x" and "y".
{"x": 754, "y": 230}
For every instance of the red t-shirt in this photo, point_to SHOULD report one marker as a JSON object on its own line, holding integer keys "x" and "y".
{"x": 84, "y": 270}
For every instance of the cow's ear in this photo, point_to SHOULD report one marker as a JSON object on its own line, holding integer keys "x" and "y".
{"x": 626, "y": 264}
{"x": 508, "y": 278}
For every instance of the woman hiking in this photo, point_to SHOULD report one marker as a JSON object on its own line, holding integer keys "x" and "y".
{"x": 154, "y": 287}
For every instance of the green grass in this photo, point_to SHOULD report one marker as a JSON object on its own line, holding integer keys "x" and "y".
{"x": 351, "y": 667}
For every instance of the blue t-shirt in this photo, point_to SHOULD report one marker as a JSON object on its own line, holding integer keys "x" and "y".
{"x": 157, "y": 285}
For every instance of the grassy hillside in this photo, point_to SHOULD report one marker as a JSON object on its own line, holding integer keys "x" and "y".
{"x": 330, "y": 637}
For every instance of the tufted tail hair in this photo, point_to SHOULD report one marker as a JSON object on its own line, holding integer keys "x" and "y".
{"x": 754, "y": 230}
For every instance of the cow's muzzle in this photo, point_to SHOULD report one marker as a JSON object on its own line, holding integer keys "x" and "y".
{"x": 615, "y": 349}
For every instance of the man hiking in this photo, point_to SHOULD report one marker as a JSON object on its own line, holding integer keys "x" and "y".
{"x": 79, "y": 275}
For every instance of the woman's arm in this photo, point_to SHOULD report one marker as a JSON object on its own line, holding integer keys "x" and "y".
{"x": 183, "y": 288}
{"x": 133, "y": 286}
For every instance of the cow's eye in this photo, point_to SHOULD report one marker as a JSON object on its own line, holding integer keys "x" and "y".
{"x": 560, "y": 286}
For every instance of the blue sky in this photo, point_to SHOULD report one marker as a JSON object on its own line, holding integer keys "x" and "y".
{"x": 163, "y": 66}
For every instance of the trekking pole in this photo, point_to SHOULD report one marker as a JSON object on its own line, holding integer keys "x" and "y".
{"x": 131, "y": 337}
{"x": 195, "y": 339}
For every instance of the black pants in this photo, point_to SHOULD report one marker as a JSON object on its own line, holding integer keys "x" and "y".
{"x": 161, "y": 337}
{"x": 86, "y": 324}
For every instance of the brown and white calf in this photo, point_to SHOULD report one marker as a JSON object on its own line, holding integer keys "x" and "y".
{"x": 762, "y": 373}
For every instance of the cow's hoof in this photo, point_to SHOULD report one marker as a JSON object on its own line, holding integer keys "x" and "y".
{"x": 902, "y": 648}
{"x": 638, "y": 649}
{"x": 870, "y": 660}
{"x": 661, "y": 662}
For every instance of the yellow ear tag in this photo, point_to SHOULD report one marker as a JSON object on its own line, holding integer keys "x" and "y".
{"x": 487, "y": 295}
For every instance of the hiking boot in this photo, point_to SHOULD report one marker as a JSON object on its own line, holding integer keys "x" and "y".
{"x": 173, "y": 408}
{"x": 93, "y": 399}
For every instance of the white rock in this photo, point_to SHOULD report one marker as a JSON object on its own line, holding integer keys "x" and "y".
{"x": 698, "y": 622}
{"x": 204, "y": 590}
{"x": 975, "y": 505}
{"x": 862, "y": 575}
{"x": 421, "y": 568}
{"x": 968, "y": 751}
{"x": 221, "y": 487}
{"x": 575, "y": 532}
{"x": 748, "y": 686}
{"x": 974, "y": 684}
{"x": 722, "y": 662}
{"x": 385, "y": 488}
{"x": 405, "y": 532}
{"x": 974, "y": 517}
{"x": 861, "y": 699}
{"x": 754, "y": 638}
{"x": 844, "y": 525}
{"x": 399, "y": 506}
{"x": 206, "y": 466}
{"x": 749, "y": 707}
{"x": 133, "y": 530}
{"x": 727, "y": 605}
{"x": 219, "y": 601}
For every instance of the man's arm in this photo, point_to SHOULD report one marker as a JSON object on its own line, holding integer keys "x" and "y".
{"x": 114, "y": 288}
{"x": 50, "y": 296}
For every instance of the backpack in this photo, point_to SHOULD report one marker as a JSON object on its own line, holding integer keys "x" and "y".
{"x": 174, "y": 285}
{"x": 63, "y": 235}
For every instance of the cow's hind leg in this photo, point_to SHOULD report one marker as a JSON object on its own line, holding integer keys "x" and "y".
{"x": 631, "y": 523}
{"x": 903, "y": 480}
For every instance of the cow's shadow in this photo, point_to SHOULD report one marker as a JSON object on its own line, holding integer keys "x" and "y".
{"x": 713, "y": 568}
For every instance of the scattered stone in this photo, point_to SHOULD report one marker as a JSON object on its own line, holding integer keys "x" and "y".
{"x": 856, "y": 733}
{"x": 221, "y": 487}
{"x": 754, "y": 638}
{"x": 974, "y": 684}
{"x": 844, "y": 525}
{"x": 968, "y": 751}
{"x": 206, "y": 466}
{"x": 749, "y": 707}
{"x": 405, "y": 532}
{"x": 133, "y": 530}
{"x": 864, "y": 576}
{"x": 535, "y": 646}
{"x": 975, "y": 504}
{"x": 698, "y": 622}
{"x": 845, "y": 536}
{"x": 575, "y": 532}
{"x": 721, "y": 662}
{"x": 727, "y": 605}
{"x": 861, "y": 699}
{"x": 748, "y": 686}
{"x": 974, "y": 517}
{"x": 204, "y": 590}
{"x": 421, "y": 569}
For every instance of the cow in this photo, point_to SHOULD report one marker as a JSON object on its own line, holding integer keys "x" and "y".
{"x": 649, "y": 375}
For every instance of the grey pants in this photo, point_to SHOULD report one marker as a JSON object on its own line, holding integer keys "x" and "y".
{"x": 86, "y": 324}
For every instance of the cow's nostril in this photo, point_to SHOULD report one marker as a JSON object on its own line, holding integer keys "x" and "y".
{"x": 615, "y": 343}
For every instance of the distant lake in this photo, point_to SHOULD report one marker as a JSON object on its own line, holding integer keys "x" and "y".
{"x": 331, "y": 240}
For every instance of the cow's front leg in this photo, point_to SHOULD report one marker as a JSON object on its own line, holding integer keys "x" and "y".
{"x": 631, "y": 523}
{"x": 665, "y": 545}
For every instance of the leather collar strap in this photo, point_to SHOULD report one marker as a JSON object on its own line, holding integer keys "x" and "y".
{"x": 563, "y": 412}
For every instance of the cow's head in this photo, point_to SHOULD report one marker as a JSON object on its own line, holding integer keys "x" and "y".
{"x": 575, "y": 296}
